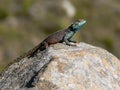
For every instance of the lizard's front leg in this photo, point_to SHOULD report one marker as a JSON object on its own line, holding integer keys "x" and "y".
{"x": 67, "y": 42}
{"x": 67, "y": 38}
{"x": 70, "y": 40}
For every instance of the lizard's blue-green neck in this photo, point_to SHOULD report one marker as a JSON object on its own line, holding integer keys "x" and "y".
{"x": 73, "y": 29}
{"x": 77, "y": 25}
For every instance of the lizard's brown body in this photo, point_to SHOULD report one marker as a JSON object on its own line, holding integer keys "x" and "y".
{"x": 54, "y": 38}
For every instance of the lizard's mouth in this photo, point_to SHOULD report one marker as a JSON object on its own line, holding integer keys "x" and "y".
{"x": 82, "y": 22}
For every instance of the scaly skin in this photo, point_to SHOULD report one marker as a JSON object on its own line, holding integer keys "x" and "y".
{"x": 57, "y": 37}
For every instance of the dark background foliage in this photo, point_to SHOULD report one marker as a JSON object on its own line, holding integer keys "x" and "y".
{"x": 25, "y": 23}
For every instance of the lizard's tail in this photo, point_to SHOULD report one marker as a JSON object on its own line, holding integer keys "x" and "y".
{"x": 28, "y": 54}
{"x": 42, "y": 46}
{"x": 31, "y": 52}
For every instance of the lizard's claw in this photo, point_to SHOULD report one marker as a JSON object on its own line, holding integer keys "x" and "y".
{"x": 72, "y": 44}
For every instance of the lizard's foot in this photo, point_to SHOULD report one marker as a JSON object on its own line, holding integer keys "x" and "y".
{"x": 72, "y": 41}
{"x": 71, "y": 44}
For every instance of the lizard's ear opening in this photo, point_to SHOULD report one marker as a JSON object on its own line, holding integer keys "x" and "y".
{"x": 71, "y": 27}
{"x": 74, "y": 25}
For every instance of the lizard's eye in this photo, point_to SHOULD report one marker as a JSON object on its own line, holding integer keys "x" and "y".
{"x": 75, "y": 24}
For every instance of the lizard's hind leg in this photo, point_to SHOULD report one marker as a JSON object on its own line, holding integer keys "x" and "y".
{"x": 44, "y": 45}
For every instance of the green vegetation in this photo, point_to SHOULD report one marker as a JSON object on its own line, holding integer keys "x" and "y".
{"x": 24, "y": 23}
{"x": 3, "y": 14}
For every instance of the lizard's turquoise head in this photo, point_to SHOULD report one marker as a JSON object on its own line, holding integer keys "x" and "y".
{"x": 77, "y": 25}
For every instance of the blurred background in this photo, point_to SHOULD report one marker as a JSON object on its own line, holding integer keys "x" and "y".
{"x": 25, "y": 23}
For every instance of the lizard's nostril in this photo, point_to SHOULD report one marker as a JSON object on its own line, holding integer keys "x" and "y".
{"x": 80, "y": 20}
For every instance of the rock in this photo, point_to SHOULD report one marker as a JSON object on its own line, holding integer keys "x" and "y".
{"x": 62, "y": 67}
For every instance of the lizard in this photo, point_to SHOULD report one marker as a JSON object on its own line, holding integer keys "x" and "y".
{"x": 57, "y": 37}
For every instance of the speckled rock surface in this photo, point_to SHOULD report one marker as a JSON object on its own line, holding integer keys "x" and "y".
{"x": 81, "y": 68}
{"x": 62, "y": 67}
